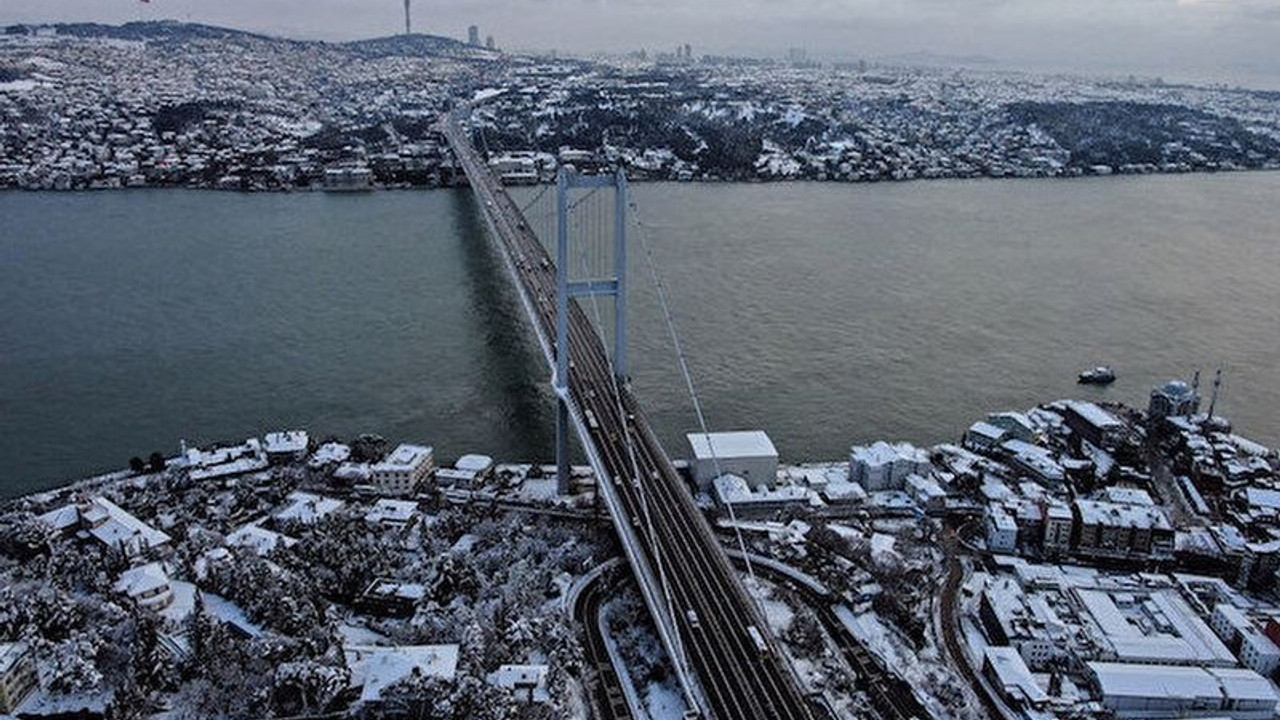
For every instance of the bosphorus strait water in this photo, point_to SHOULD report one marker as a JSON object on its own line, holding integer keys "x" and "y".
{"x": 826, "y": 314}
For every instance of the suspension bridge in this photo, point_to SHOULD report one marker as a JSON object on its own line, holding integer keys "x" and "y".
{"x": 727, "y": 663}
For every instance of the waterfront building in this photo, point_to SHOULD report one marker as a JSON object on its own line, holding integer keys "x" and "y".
{"x": 983, "y": 437}
{"x": 1242, "y": 636}
{"x": 285, "y": 447}
{"x": 1016, "y": 425}
{"x": 403, "y": 470}
{"x": 1173, "y": 399}
{"x": 733, "y": 493}
{"x": 354, "y": 178}
{"x": 221, "y": 462}
{"x": 748, "y": 454}
{"x": 883, "y": 466}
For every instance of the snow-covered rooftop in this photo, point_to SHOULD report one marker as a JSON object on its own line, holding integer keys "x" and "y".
{"x": 404, "y": 458}
{"x": 741, "y": 444}
{"x": 374, "y": 669}
{"x": 307, "y": 508}
{"x": 261, "y": 540}
{"x": 288, "y": 442}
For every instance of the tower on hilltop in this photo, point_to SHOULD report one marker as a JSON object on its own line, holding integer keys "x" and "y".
{"x": 408, "y": 27}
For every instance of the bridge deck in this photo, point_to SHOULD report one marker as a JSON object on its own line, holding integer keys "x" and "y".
{"x": 653, "y": 503}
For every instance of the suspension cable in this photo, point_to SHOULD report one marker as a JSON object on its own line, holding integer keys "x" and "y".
{"x": 584, "y": 262}
{"x": 535, "y": 199}
{"x": 660, "y": 286}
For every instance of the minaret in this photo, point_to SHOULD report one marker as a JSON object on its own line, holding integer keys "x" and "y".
{"x": 408, "y": 29}
{"x": 1217, "y": 383}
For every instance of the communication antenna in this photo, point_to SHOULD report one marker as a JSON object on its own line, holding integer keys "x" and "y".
{"x": 408, "y": 28}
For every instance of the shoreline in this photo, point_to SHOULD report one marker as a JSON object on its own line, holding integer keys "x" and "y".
{"x": 307, "y": 189}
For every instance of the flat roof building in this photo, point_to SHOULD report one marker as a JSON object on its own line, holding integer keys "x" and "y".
{"x": 748, "y": 454}
{"x": 1157, "y": 691}
{"x": 403, "y": 470}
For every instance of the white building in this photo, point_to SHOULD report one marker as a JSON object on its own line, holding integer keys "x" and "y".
{"x": 1002, "y": 530}
{"x": 374, "y": 668}
{"x": 287, "y": 446}
{"x": 883, "y": 466}
{"x": 329, "y": 454}
{"x": 147, "y": 586}
{"x": 468, "y": 472}
{"x": 1255, "y": 650}
{"x": 306, "y": 508}
{"x": 1007, "y": 671}
{"x": 224, "y": 461}
{"x": 527, "y": 682}
{"x": 392, "y": 513}
{"x": 1159, "y": 691}
{"x": 750, "y": 455}
{"x": 110, "y": 525}
{"x": 403, "y": 470}
{"x": 734, "y": 494}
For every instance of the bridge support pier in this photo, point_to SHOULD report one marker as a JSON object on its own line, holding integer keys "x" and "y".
{"x": 615, "y": 287}
{"x": 563, "y": 471}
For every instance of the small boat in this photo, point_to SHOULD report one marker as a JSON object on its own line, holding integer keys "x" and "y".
{"x": 1101, "y": 375}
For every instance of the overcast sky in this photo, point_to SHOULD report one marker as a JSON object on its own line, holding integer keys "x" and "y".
{"x": 1231, "y": 40}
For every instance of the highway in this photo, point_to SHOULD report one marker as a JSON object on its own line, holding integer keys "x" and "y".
{"x": 737, "y": 677}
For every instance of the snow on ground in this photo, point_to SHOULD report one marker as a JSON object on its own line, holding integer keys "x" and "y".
{"x": 663, "y": 702}
{"x": 776, "y": 612}
{"x": 229, "y": 612}
{"x": 354, "y": 635}
{"x": 893, "y": 652}
{"x": 184, "y": 600}
{"x": 20, "y": 86}
{"x": 487, "y": 94}
{"x": 537, "y": 490}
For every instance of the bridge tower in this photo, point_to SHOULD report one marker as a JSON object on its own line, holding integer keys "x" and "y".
{"x": 567, "y": 180}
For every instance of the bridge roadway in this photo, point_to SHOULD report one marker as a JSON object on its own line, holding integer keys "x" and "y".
{"x": 736, "y": 679}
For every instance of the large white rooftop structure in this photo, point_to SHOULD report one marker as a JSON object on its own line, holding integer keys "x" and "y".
{"x": 374, "y": 669}
{"x": 1158, "y": 691}
{"x": 748, "y": 454}
{"x": 401, "y": 471}
{"x": 885, "y": 466}
{"x": 286, "y": 445}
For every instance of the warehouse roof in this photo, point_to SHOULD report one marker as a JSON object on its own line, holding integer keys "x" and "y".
{"x": 749, "y": 443}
